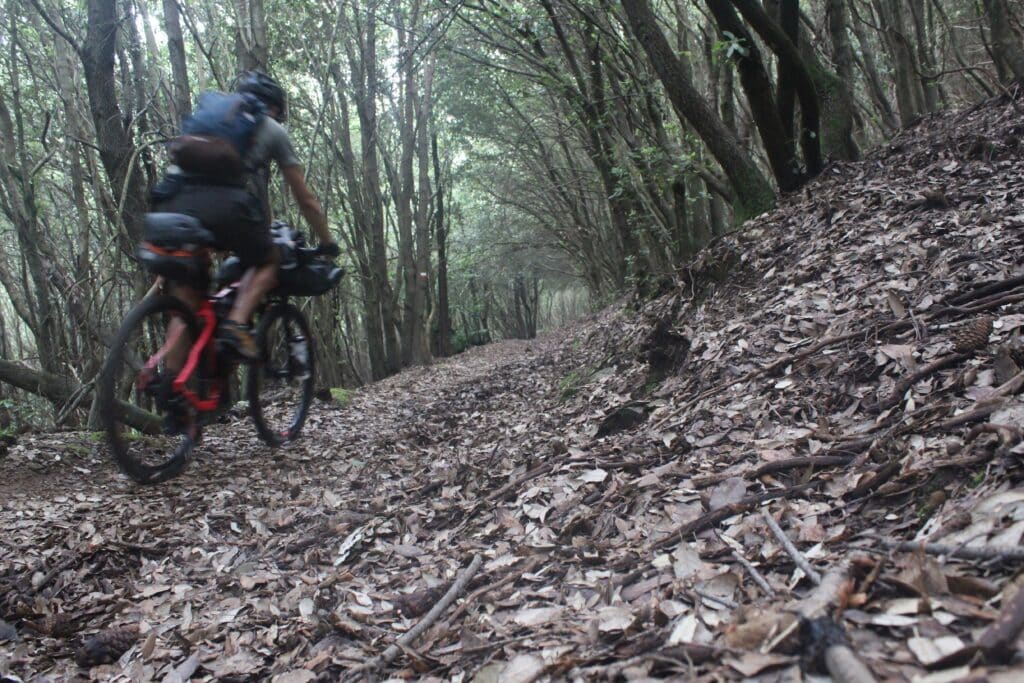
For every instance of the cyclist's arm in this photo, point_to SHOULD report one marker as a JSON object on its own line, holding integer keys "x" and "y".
{"x": 308, "y": 204}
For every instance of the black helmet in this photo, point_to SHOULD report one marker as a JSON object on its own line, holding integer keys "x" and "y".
{"x": 264, "y": 87}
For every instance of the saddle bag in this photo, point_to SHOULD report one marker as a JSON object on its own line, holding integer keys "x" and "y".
{"x": 177, "y": 247}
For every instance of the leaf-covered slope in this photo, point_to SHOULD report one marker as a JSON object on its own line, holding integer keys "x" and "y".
{"x": 614, "y": 479}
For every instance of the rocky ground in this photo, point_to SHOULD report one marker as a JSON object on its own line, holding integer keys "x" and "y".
{"x": 603, "y": 501}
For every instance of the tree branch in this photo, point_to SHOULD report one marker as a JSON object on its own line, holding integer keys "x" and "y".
{"x": 56, "y": 27}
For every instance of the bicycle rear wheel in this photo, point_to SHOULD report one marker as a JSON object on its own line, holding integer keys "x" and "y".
{"x": 150, "y": 429}
{"x": 280, "y": 384}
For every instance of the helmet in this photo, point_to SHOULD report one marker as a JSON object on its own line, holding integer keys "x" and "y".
{"x": 264, "y": 87}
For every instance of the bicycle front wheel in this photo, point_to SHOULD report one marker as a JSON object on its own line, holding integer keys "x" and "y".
{"x": 150, "y": 429}
{"x": 280, "y": 384}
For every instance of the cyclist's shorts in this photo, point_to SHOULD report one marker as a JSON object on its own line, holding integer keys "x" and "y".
{"x": 233, "y": 214}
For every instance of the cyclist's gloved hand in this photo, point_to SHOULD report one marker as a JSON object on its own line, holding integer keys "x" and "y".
{"x": 329, "y": 249}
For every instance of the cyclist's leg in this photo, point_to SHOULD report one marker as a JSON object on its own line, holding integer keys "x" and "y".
{"x": 177, "y": 199}
{"x": 178, "y": 352}
{"x": 261, "y": 279}
{"x": 250, "y": 239}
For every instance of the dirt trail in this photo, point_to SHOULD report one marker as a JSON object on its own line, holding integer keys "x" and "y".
{"x": 151, "y": 554}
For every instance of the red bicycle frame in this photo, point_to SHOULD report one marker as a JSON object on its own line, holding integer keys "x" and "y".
{"x": 208, "y": 318}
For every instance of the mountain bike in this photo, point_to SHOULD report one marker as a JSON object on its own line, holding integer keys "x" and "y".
{"x": 165, "y": 378}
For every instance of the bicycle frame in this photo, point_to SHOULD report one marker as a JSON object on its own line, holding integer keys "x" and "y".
{"x": 208, "y": 318}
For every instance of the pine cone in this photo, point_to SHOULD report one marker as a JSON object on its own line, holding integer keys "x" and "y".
{"x": 973, "y": 336}
{"x": 107, "y": 646}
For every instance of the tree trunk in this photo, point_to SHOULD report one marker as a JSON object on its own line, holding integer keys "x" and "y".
{"x": 139, "y": 81}
{"x": 789, "y": 23}
{"x": 1004, "y": 43}
{"x": 179, "y": 66}
{"x": 60, "y": 388}
{"x": 838, "y": 100}
{"x": 366, "y": 196}
{"x": 421, "y": 301}
{"x": 754, "y": 194}
{"x": 117, "y": 152}
{"x": 444, "y": 316}
{"x": 869, "y": 65}
{"x": 908, "y": 96}
{"x": 19, "y": 205}
{"x": 783, "y": 41}
{"x": 251, "y": 35}
{"x": 758, "y": 88}
{"x": 925, "y": 57}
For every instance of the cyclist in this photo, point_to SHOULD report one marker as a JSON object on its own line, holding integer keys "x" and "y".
{"x": 237, "y": 212}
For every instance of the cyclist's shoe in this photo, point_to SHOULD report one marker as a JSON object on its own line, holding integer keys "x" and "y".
{"x": 236, "y": 339}
{"x": 176, "y": 423}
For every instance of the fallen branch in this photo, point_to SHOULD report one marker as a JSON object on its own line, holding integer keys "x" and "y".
{"x": 776, "y": 466}
{"x": 981, "y": 307}
{"x": 986, "y": 552}
{"x": 906, "y": 383}
{"x": 996, "y": 643}
{"x": 845, "y": 667}
{"x": 985, "y": 406}
{"x": 487, "y": 588}
{"x": 410, "y": 636}
{"x": 985, "y": 290}
{"x": 882, "y": 475}
{"x": 61, "y": 390}
{"x": 1009, "y": 435}
{"x": 711, "y": 597}
{"x": 798, "y": 557}
{"x": 754, "y": 574}
{"x": 710, "y": 519}
{"x": 829, "y": 592}
{"x": 519, "y": 481}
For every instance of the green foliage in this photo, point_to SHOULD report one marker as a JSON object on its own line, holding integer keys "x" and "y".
{"x": 341, "y": 396}
{"x": 732, "y": 45}
{"x": 15, "y": 417}
{"x": 571, "y": 384}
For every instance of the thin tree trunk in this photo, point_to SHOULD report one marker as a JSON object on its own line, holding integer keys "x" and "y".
{"x": 19, "y": 205}
{"x": 838, "y": 126}
{"x": 444, "y": 317}
{"x": 869, "y": 65}
{"x": 1004, "y": 43}
{"x": 757, "y": 86}
{"x": 925, "y": 57}
{"x": 784, "y": 44}
{"x": 753, "y": 192}
{"x": 117, "y": 152}
{"x": 908, "y": 95}
{"x": 251, "y": 35}
{"x": 421, "y": 300}
{"x": 179, "y": 65}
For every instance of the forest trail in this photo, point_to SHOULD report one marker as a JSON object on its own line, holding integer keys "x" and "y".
{"x": 855, "y": 378}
